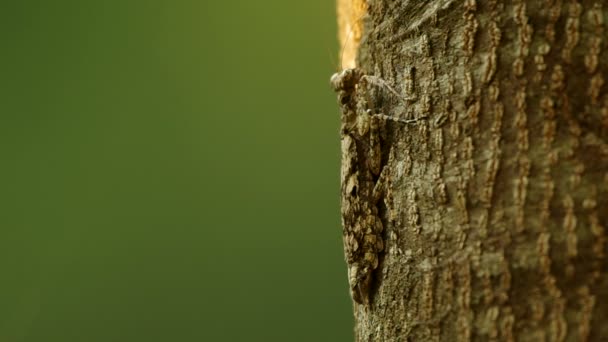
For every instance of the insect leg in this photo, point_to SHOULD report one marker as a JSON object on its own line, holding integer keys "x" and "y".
{"x": 395, "y": 119}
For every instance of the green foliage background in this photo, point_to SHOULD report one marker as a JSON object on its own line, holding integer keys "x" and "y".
{"x": 170, "y": 172}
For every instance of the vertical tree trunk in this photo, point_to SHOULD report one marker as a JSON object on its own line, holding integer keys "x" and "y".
{"x": 493, "y": 141}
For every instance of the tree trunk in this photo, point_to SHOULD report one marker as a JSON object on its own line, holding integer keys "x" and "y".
{"x": 475, "y": 169}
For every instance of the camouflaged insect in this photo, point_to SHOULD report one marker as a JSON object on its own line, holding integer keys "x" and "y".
{"x": 361, "y": 183}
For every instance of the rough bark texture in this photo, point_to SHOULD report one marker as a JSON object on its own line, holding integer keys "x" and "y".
{"x": 495, "y": 206}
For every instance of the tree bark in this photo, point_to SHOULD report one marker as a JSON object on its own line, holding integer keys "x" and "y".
{"x": 493, "y": 141}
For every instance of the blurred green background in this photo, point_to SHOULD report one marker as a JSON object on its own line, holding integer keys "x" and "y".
{"x": 170, "y": 172}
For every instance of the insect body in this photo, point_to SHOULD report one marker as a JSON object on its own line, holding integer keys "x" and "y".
{"x": 360, "y": 186}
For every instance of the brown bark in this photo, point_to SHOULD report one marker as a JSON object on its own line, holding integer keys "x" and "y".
{"x": 496, "y": 204}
